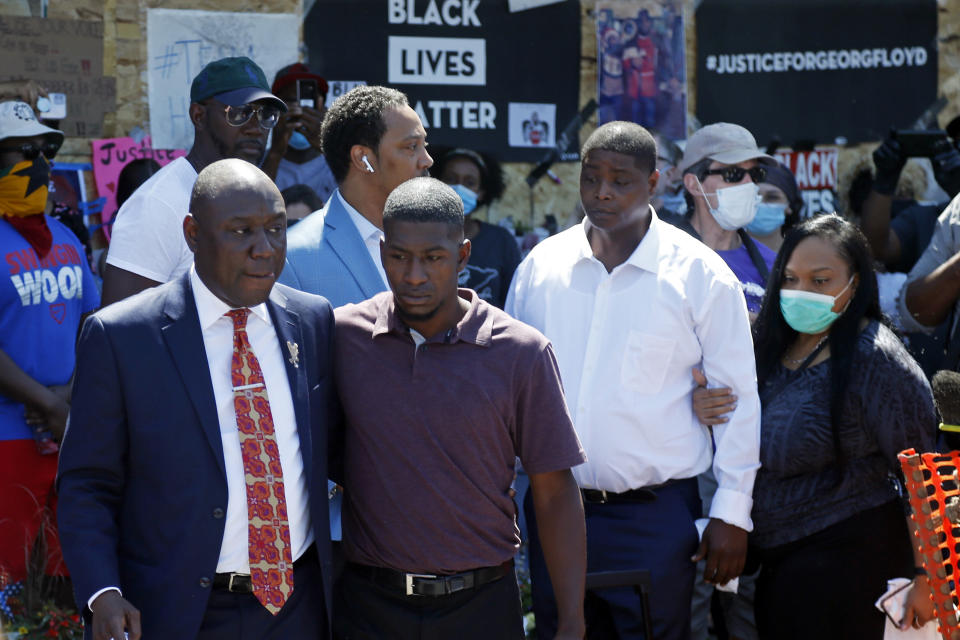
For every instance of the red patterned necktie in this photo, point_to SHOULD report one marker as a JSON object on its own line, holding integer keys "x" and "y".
{"x": 271, "y": 562}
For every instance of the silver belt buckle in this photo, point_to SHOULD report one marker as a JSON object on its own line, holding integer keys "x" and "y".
{"x": 603, "y": 494}
{"x": 230, "y": 582}
{"x": 408, "y": 577}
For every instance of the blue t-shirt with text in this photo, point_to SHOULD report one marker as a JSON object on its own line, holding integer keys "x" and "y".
{"x": 41, "y": 303}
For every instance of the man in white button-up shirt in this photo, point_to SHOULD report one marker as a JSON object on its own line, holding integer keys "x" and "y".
{"x": 631, "y": 305}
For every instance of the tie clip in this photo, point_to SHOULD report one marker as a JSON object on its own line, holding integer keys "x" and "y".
{"x": 256, "y": 385}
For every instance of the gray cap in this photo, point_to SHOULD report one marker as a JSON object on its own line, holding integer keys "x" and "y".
{"x": 17, "y": 120}
{"x": 723, "y": 142}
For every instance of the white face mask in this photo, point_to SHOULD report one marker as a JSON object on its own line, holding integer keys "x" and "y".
{"x": 736, "y": 206}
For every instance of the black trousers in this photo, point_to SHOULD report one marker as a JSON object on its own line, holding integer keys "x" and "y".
{"x": 240, "y": 616}
{"x": 367, "y": 611}
{"x": 824, "y": 586}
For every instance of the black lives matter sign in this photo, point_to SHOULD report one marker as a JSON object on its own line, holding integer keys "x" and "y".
{"x": 797, "y": 70}
{"x": 461, "y": 62}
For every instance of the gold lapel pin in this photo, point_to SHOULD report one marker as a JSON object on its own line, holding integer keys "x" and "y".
{"x": 294, "y": 354}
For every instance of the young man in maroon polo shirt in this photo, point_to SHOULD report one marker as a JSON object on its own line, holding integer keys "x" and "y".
{"x": 441, "y": 392}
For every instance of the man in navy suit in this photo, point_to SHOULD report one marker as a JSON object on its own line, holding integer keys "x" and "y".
{"x": 192, "y": 479}
{"x": 373, "y": 142}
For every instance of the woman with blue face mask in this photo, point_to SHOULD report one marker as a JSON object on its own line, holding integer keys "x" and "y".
{"x": 840, "y": 398}
{"x": 779, "y": 208}
{"x": 494, "y": 254}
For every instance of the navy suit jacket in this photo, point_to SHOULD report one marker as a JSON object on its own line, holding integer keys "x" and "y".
{"x": 327, "y": 256}
{"x": 141, "y": 480}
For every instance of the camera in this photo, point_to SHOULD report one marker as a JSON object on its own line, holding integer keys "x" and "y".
{"x": 920, "y": 143}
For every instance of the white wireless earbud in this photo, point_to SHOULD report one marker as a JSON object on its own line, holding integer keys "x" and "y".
{"x": 367, "y": 163}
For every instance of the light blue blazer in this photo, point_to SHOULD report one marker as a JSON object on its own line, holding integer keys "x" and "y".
{"x": 327, "y": 256}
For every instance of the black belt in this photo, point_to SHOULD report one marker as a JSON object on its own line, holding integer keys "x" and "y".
{"x": 424, "y": 584}
{"x": 240, "y": 582}
{"x": 643, "y": 495}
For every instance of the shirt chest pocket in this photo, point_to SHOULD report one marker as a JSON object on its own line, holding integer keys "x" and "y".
{"x": 646, "y": 361}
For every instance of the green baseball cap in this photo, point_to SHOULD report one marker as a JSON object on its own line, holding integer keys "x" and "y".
{"x": 233, "y": 81}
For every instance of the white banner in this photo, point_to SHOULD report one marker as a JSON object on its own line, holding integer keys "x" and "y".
{"x": 181, "y": 42}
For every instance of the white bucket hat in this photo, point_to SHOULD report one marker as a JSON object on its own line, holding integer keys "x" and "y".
{"x": 17, "y": 120}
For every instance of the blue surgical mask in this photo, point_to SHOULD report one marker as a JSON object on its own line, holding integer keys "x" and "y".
{"x": 299, "y": 141}
{"x": 468, "y": 197}
{"x": 809, "y": 312}
{"x": 674, "y": 203}
{"x": 770, "y": 217}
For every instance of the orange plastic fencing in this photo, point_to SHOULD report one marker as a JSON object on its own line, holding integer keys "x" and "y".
{"x": 934, "y": 492}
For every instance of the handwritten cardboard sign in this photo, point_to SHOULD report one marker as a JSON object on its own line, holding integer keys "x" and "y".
{"x": 111, "y": 155}
{"x": 63, "y": 56}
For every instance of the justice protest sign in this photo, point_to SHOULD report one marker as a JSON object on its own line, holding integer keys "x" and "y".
{"x": 478, "y": 75}
{"x": 795, "y": 70}
{"x": 111, "y": 155}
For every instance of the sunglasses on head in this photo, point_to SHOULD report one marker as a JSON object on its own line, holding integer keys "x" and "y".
{"x": 267, "y": 114}
{"x": 735, "y": 174}
{"x": 30, "y": 151}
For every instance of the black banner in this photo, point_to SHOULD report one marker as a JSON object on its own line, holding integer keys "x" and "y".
{"x": 478, "y": 75}
{"x": 816, "y": 70}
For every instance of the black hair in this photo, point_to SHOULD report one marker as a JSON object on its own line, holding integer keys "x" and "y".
{"x": 356, "y": 117}
{"x": 627, "y": 138}
{"x": 423, "y": 200}
{"x": 301, "y": 193}
{"x": 780, "y": 176}
{"x": 491, "y": 173}
{"x": 771, "y": 333}
{"x": 133, "y": 175}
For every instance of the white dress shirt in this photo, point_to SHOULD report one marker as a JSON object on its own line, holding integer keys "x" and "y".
{"x": 218, "y": 342}
{"x": 626, "y": 342}
{"x": 369, "y": 232}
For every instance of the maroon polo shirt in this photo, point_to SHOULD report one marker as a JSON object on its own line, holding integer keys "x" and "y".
{"x": 432, "y": 434}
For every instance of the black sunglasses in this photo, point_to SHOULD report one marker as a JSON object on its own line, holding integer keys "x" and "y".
{"x": 735, "y": 174}
{"x": 30, "y": 151}
{"x": 267, "y": 115}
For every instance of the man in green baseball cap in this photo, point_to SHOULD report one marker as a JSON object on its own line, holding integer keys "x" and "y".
{"x": 232, "y": 111}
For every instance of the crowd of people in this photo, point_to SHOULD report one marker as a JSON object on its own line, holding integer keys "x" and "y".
{"x": 321, "y": 432}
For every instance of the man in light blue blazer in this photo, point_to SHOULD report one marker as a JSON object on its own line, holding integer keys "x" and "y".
{"x": 373, "y": 141}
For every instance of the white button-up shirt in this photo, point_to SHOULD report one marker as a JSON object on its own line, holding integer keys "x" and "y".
{"x": 370, "y": 234}
{"x": 627, "y": 341}
{"x": 218, "y": 342}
